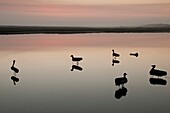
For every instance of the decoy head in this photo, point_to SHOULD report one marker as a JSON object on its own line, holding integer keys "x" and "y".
{"x": 153, "y": 66}
{"x": 71, "y": 56}
{"x": 13, "y": 61}
{"x": 113, "y": 50}
{"x": 136, "y": 54}
{"x": 124, "y": 74}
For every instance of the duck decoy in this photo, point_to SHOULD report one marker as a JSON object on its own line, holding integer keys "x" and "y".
{"x": 114, "y": 61}
{"x": 156, "y": 72}
{"x": 157, "y": 81}
{"x": 115, "y": 54}
{"x": 14, "y": 68}
{"x": 76, "y": 67}
{"x": 76, "y": 59}
{"x": 14, "y": 79}
{"x": 134, "y": 54}
{"x": 121, "y": 80}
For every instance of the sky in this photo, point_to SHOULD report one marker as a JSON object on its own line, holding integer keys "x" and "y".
{"x": 93, "y": 13}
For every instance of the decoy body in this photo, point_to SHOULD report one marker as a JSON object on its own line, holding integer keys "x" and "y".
{"x": 121, "y": 80}
{"x": 157, "y": 72}
{"x": 76, "y": 67}
{"x": 14, "y": 68}
{"x": 115, "y": 54}
{"x": 76, "y": 59}
{"x": 134, "y": 54}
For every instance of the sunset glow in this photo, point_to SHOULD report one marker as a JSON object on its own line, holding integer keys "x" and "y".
{"x": 83, "y": 13}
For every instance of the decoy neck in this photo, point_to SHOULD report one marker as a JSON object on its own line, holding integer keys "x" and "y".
{"x": 72, "y": 56}
{"x": 13, "y": 63}
{"x": 124, "y": 74}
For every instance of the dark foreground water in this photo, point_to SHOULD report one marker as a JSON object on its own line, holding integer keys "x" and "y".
{"x": 46, "y": 84}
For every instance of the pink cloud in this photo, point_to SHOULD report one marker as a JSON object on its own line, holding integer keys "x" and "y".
{"x": 87, "y": 10}
{"x": 81, "y": 13}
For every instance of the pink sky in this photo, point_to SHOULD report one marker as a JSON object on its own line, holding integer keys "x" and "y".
{"x": 83, "y": 12}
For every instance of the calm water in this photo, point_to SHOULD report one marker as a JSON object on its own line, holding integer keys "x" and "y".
{"x": 47, "y": 84}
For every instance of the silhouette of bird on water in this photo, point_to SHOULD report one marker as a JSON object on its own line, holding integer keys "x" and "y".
{"x": 121, "y": 80}
{"x": 14, "y": 68}
{"x": 157, "y": 72}
{"x": 134, "y": 54}
{"x": 76, "y": 59}
{"x": 115, "y": 54}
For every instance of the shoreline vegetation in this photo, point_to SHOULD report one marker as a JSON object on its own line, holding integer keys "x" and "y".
{"x": 7, "y": 30}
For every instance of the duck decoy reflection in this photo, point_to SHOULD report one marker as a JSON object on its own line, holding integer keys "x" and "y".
{"x": 134, "y": 54}
{"x": 120, "y": 92}
{"x": 157, "y": 81}
{"x": 14, "y": 79}
{"x": 14, "y": 68}
{"x": 76, "y": 67}
{"x": 115, "y": 54}
{"x": 121, "y": 80}
{"x": 76, "y": 59}
{"x": 156, "y": 72}
{"x": 114, "y": 61}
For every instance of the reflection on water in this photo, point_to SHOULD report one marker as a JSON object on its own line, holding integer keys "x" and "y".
{"x": 14, "y": 79}
{"x": 122, "y": 91}
{"x": 157, "y": 81}
{"x": 114, "y": 61}
{"x": 48, "y": 85}
{"x": 76, "y": 67}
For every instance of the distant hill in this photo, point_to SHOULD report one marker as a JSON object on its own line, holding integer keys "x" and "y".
{"x": 154, "y": 28}
{"x": 156, "y": 25}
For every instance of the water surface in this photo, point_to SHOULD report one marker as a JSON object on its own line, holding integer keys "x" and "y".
{"x": 47, "y": 84}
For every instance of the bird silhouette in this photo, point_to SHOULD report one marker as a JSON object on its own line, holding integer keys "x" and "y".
{"x": 76, "y": 59}
{"x": 13, "y": 68}
{"x": 156, "y": 72}
{"x": 115, "y": 54}
{"x": 134, "y": 54}
{"x": 121, "y": 80}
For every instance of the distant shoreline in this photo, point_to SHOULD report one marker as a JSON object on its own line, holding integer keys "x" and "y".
{"x": 7, "y": 30}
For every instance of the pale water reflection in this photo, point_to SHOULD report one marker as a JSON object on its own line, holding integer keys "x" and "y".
{"x": 46, "y": 84}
